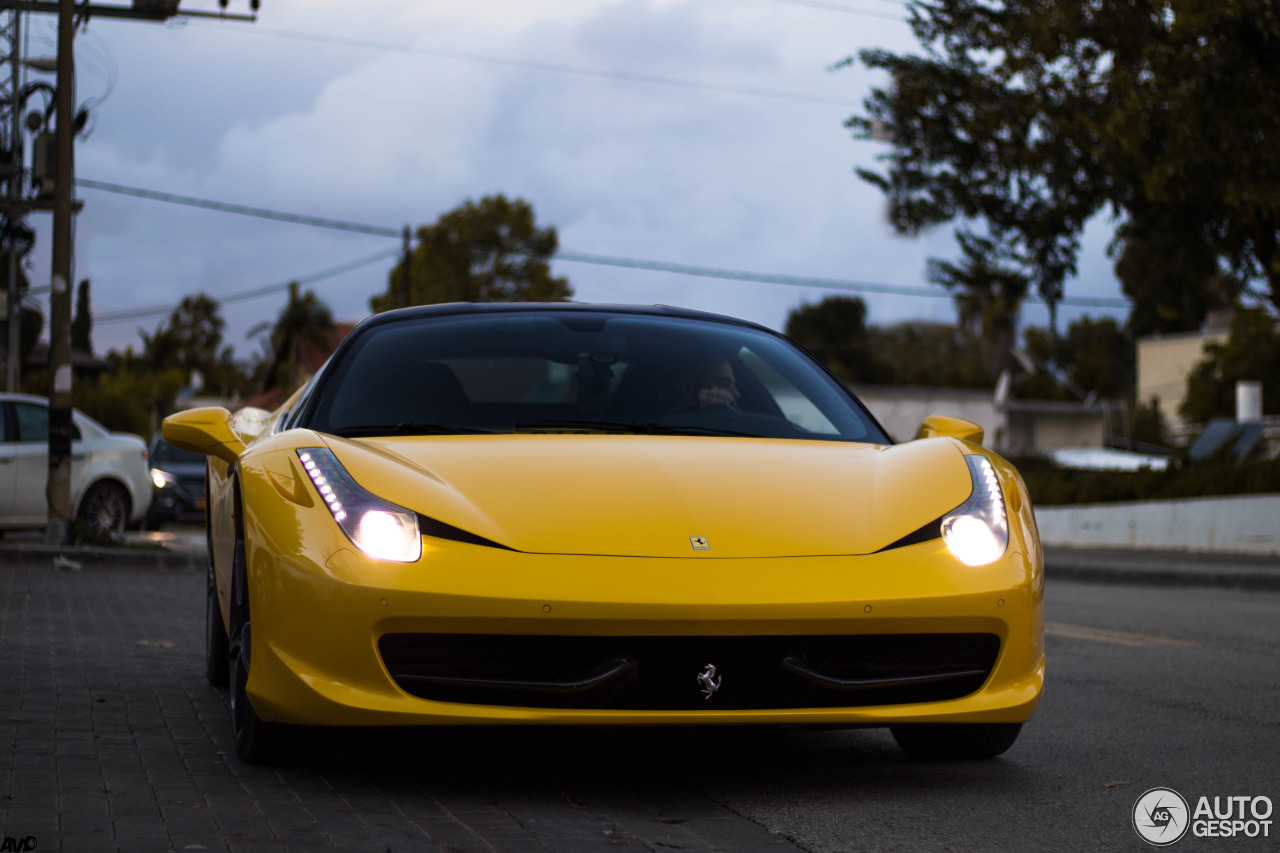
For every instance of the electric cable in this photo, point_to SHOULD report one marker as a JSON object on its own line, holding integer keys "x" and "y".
{"x": 109, "y": 317}
{"x": 590, "y": 258}
{"x": 536, "y": 65}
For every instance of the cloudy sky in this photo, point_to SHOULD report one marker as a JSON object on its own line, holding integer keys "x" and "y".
{"x": 696, "y": 132}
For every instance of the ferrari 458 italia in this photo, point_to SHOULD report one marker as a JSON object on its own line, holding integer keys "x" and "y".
{"x": 578, "y": 514}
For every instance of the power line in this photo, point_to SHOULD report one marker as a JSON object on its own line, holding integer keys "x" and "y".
{"x": 806, "y": 281}
{"x": 109, "y": 317}
{"x": 223, "y": 207}
{"x": 848, "y": 10}
{"x": 589, "y": 258}
{"x": 541, "y": 65}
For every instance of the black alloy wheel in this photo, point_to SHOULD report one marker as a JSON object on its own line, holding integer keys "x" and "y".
{"x": 105, "y": 508}
{"x": 956, "y": 741}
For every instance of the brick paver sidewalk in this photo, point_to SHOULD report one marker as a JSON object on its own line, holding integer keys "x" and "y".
{"x": 110, "y": 739}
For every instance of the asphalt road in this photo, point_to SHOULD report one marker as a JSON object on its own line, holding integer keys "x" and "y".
{"x": 111, "y": 740}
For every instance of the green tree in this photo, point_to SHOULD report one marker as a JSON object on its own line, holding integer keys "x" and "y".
{"x": 31, "y": 319}
{"x": 1171, "y": 273}
{"x": 196, "y": 327}
{"x": 988, "y": 296}
{"x": 930, "y": 355}
{"x": 189, "y": 340}
{"x": 835, "y": 331}
{"x": 1146, "y": 424}
{"x": 486, "y": 251}
{"x": 131, "y": 396}
{"x": 304, "y": 319}
{"x": 1250, "y": 353}
{"x": 1030, "y": 117}
{"x": 1094, "y": 358}
{"x": 82, "y": 322}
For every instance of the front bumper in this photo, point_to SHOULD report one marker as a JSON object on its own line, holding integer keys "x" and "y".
{"x": 318, "y": 623}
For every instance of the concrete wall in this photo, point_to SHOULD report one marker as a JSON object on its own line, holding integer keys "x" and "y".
{"x": 1248, "y": 524}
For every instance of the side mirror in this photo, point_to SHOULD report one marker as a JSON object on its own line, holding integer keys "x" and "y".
{"x": 936, "y": 426}
{"x": 207, "y": 431}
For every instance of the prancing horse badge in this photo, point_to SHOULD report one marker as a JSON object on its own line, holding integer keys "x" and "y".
{"x": 699, "y": 543}
{"x": 708, "y": 680}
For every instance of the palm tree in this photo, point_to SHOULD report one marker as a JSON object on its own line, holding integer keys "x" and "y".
{"x": 305, "y": 319}
{"x": 988, "y": 297}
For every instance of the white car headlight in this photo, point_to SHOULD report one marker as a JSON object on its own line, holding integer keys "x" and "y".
{"x": 379, "y": 528}
{"x": 162, "y": 479}
{"x": 977, "y": 531}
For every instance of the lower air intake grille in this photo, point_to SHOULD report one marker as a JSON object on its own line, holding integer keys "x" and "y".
{"x": 661, "y": 673}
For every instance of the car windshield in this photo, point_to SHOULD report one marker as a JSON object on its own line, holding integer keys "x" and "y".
{"x": 577, "y": 370}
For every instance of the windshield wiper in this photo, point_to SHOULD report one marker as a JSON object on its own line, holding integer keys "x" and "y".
{"x": 651, "y": 428}
{"x": 407, "y": 428}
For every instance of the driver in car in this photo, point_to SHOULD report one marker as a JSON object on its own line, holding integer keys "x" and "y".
{"x": 713, "y": 384}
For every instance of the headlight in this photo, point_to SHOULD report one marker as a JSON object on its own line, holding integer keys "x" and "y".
{"x": 977, "y": 531}
{"x": 162, "y": 479}
{"x": 379, "y": 528}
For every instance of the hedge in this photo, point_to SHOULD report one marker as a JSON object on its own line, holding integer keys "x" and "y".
{"x": 1051, "y": 485}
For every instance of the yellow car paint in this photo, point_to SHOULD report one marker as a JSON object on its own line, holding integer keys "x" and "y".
{"x": 599, "y": 526}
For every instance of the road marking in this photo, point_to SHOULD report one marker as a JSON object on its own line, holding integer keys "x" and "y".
{"x": 1102, "y": 635}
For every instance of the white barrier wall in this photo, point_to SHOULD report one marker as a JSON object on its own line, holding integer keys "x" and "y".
{"x": 1248, "y": 524}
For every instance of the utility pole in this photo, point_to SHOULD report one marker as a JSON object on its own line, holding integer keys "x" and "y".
{"x": 60, "y": 372}
{"x": 14, "y": 213}
{"x": 60, "y": 301}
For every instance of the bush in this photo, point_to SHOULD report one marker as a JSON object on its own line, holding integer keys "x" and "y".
{"x": 1051, "y": 485}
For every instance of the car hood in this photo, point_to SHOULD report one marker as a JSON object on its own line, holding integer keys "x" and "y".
{"x": 647, "y": 496}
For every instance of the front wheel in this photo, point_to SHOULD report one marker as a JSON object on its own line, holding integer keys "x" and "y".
{"x": 216, "y": 643}
{"x": 256, "y": 741}
{"x": 956, "y": 741}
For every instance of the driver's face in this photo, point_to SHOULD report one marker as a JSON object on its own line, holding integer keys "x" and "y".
{"x": 721, "y": 376}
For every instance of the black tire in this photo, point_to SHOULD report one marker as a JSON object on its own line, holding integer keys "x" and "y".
{"x": 956, "y": 741}
{"x": 104, "y": 510}
{"x": 216, "y": 643}
{"x": 256, "y": 741}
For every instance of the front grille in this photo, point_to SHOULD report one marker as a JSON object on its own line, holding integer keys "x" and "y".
{"x": 661, "y": 673}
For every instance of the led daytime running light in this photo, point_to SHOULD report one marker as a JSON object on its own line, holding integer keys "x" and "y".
{"x": 377, "y": 527}
{"x": 977, "y": 531}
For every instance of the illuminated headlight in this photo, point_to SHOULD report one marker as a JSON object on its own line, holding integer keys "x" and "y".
{"x": 162, "y": 479}
{"x": 977, "y": 531}
{"x": 379, "y": 528}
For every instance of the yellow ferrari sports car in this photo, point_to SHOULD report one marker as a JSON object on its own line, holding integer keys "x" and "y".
{"x": 596, "y": 515}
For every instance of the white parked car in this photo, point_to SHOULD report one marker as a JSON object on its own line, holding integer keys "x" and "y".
{"x": 110, "y": 479}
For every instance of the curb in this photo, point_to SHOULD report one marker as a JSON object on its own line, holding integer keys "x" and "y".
{"x": 76, "y": 558}
{"x": 1150, "y": 568}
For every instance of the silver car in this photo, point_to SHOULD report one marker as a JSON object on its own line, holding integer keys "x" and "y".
{"x": 110, "y": 478}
